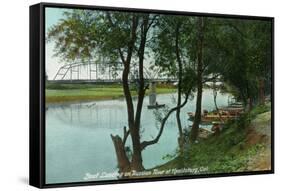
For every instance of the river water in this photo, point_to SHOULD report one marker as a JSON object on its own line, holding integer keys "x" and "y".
{"x": 78, "y": 138}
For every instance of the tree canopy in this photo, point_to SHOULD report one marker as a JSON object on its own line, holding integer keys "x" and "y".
{"x": 193, "y": 49}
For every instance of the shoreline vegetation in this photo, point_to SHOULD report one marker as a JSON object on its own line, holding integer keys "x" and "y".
{"x": 243, "y": 145}
{"x": 66, "y": 93}
{"x": 186, "y": 54}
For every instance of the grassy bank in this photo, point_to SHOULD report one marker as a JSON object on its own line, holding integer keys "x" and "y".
{"x": 234, "y": 150}
{"x": 58, "y": 93}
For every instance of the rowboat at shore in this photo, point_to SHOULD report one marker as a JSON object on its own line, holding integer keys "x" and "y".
{"x": 209, "y": 118}
{"x": 223, "y": 114}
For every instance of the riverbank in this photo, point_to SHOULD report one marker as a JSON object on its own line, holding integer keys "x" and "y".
{"x": 61, "y": 93}
{"x": 242, "y": 146}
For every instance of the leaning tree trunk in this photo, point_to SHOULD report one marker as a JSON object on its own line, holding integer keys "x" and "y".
{"x": 123, "y": 162}
{"x": 136, "y": 163}
{"x": 180, "y": 138}
{"x": 122, "y": 158}
{"x": 216, "y": 105}
{"x": 197, "y": 117}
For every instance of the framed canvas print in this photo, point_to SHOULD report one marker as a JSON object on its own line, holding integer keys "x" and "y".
{"x": 127, "y": 95}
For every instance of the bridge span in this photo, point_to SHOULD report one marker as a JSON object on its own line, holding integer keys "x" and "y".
{"x": 91, "y": 72}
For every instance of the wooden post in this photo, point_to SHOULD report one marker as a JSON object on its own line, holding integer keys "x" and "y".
{"x": 70, "y": 73}
{"x": 96, "y": 71}
{"x": 78, "y": 70}
{"x": 90, "y": 70}
{"x": 152, "y": 95}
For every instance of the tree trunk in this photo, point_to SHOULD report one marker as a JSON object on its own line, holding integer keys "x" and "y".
{"x": 216, "y": 105}
{"x": 250, "y": 103}
{"x": 144, "y": 144}
{"x": 122, "y": 159}
{"x": 123, "y": 162}
{"x": 136, "y": 163}
{"x": 180, "y": 138}
{"x": 261, "y": 91}
{"x": 197, "y": 117}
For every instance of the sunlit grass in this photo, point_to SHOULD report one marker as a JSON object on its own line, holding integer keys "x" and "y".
{"x": 73, "y": 93}
{"x": 230, "y": 151}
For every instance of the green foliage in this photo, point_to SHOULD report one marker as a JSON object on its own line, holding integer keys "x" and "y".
{"x": 176, "y": 28}
{"x": 189, "y": 79}
{"x": 75, "y": 35}
{"x": 258, "y": 110}
{"x": 244, "y": 57}
{"x": 239, "y": 51}
{"x": 227, "y": 152}
{"x": 219, "y": 154}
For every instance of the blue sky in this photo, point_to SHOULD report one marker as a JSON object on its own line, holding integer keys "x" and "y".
{"x": 52, "y": 17}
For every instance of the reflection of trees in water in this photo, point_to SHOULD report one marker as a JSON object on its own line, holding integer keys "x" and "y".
{"x": 88, "y": 115}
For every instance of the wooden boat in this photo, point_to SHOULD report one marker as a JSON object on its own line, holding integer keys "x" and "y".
{"x": 155, "y": 106}
{"x": 211, "y": 117}
{"x": 223, "y": 114}
{"x": 204, "y": 121}
{"x": 235, "y": 106}
{"x": 216, "y": 117}
{"x": 236, "y": 103}
{"x": 233, "y": 110}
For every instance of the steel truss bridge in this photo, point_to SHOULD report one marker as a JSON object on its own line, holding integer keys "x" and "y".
{"x": 91, "y": 72}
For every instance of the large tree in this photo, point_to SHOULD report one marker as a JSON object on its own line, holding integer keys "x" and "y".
{"x": 171, "y": 54}
{"x": 205, "y": 56}
{"x": 121, "y": 38}
{"x": 245, "y": 57}
{"x": 194, "y": 49}
{"x": 199, "y": 48}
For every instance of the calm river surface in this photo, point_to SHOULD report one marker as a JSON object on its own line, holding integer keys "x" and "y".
{"x": 78, "y": 135}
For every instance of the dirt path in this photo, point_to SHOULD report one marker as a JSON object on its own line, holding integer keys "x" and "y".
{"x": 260, "y": 134}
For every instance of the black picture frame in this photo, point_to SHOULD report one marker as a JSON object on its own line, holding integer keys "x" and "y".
{"x": 37, "y": 94}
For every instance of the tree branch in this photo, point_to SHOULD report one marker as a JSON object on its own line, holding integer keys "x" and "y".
{"x": 142, "y": 89}
{"x": 126, "y": 71}
{"x": 178, "y": 57}
{"x": 121, "y": 55}
{"x": 125, "y": 134}
{"x": 210, "y": 79}
{"x": 152, "y": 21}
{"x": 113, "y": 25}
{"x": 144, "y": 144}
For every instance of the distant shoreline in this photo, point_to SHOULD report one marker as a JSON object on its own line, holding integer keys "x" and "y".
{"x": 63, "y": 100}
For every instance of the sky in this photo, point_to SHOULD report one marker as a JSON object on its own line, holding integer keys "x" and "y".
{"x": 52, "y": 16}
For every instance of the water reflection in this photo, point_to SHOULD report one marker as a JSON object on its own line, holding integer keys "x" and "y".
{"x": 91, "y": 114}
{"x": 78, "y": 135}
